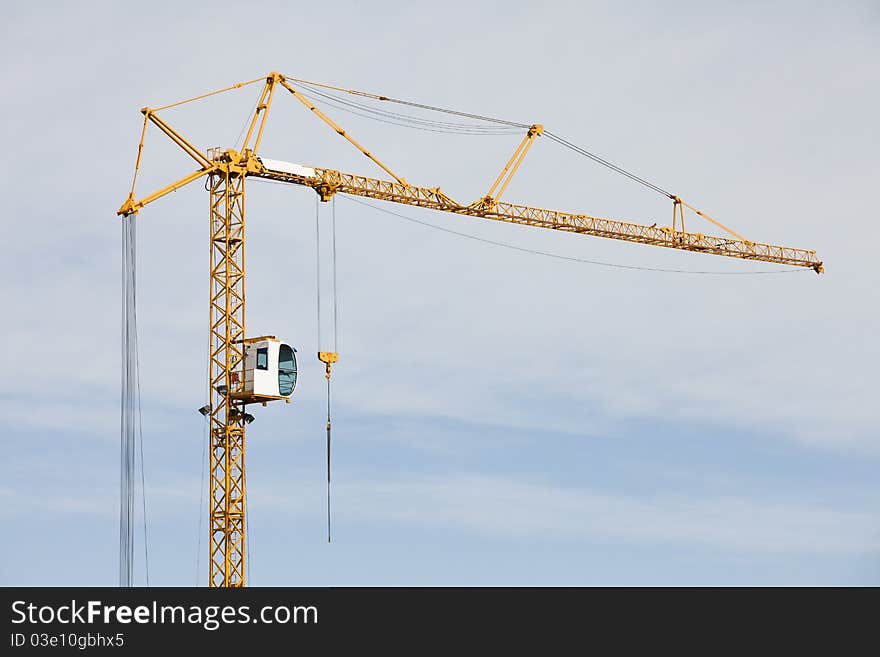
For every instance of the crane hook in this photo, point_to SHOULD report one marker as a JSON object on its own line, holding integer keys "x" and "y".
{"x": 328, "y": 358}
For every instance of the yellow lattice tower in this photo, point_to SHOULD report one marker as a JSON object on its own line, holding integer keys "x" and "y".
{"x": 227, "y": 322}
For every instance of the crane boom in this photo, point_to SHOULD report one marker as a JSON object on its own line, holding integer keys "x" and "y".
{"x": 329, "y": 181}
{"x": 227, "y": 169}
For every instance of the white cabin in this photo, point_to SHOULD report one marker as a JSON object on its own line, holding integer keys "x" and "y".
{"x": 269, "y": 369}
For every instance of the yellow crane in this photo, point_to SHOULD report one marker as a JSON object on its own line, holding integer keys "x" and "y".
{"x": 227, "y": 169}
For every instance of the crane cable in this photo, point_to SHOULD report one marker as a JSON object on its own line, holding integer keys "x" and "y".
{"x": 408, "y": 120}
{"x": 334, "y": 96}
{"x": 501, "y": 125}
{"x": 327, "y": 357}
{"x": 610, "y": 165}
{"x": 131, "y": 416}
{"x": 352, "y": 92}
{"x": 327, "y": 376}
{"x": 559, "y": 256}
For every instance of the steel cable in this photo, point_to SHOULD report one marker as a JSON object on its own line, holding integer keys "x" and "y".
{"x": 570, "y": 258}
{"x": 606, "y": 163}
{"x": 407, "y": 103}
{"x": 455, "y": 131}
{"x": 128, "y": 414}
{"x": 396, "y": 118}
{"x": 436, "y": 127}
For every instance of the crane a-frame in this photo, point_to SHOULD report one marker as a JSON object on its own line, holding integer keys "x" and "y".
{"x": 227, "y": 170}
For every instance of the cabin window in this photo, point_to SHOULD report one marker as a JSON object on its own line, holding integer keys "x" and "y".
{"x": 286, "y": 370}
{"x": 263, "y": 358}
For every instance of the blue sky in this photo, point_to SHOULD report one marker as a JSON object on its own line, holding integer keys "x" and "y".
{"x": 499, "y": 417}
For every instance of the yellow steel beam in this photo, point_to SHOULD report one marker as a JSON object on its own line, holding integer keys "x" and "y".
{"x": 326, "y": 119}
{"x": 176, "y": 137}
{"x": 261, "y": 112}
{"x": 237, "y": 85}
{"x": 132, "y": 206}
{"x": 515, "y": 161}
{"x": 708, "y": 218}
{"x": 137, "y": 162}
{"x": 266, "y": 107}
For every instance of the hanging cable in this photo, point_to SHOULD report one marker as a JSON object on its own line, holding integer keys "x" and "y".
{"x": 333, "y": 272}
{"x": 205, "y": 412}
{"x": 318, "y": 263}
{"x": 129, "y": 403}
{"x": 248, "y": 531}
{"x": 327, "y": 357}
{"x": 141, "y": 441}
{"x": 328, "y": 452}
{"x": 205, "y": 439}
{"x": 569, "y": 258}
{"x": 131, "y": 417}
{"x": 335, "y": 342}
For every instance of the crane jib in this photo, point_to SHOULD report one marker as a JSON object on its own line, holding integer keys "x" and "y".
{"x": 332, "y": 181}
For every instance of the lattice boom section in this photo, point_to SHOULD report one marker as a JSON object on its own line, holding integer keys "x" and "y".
{"x": 329, "y": 181}
{"x": 385, "y": 190}
{"x": 653, "y": 235}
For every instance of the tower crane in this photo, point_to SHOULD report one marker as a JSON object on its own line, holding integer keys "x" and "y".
{"x": 232, "y": 352}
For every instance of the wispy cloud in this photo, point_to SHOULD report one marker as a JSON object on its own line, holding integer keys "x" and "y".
{"x": 499, "y": 507}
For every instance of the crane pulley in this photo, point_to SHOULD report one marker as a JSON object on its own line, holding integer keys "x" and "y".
{"x": 227, "y": 170}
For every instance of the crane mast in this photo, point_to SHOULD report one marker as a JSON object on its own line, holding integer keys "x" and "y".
{"x": 227, "y": 169}
{"x": 227, "y": 425}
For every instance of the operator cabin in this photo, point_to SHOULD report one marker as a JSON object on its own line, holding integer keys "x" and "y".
{"x": 269, "y": 370}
